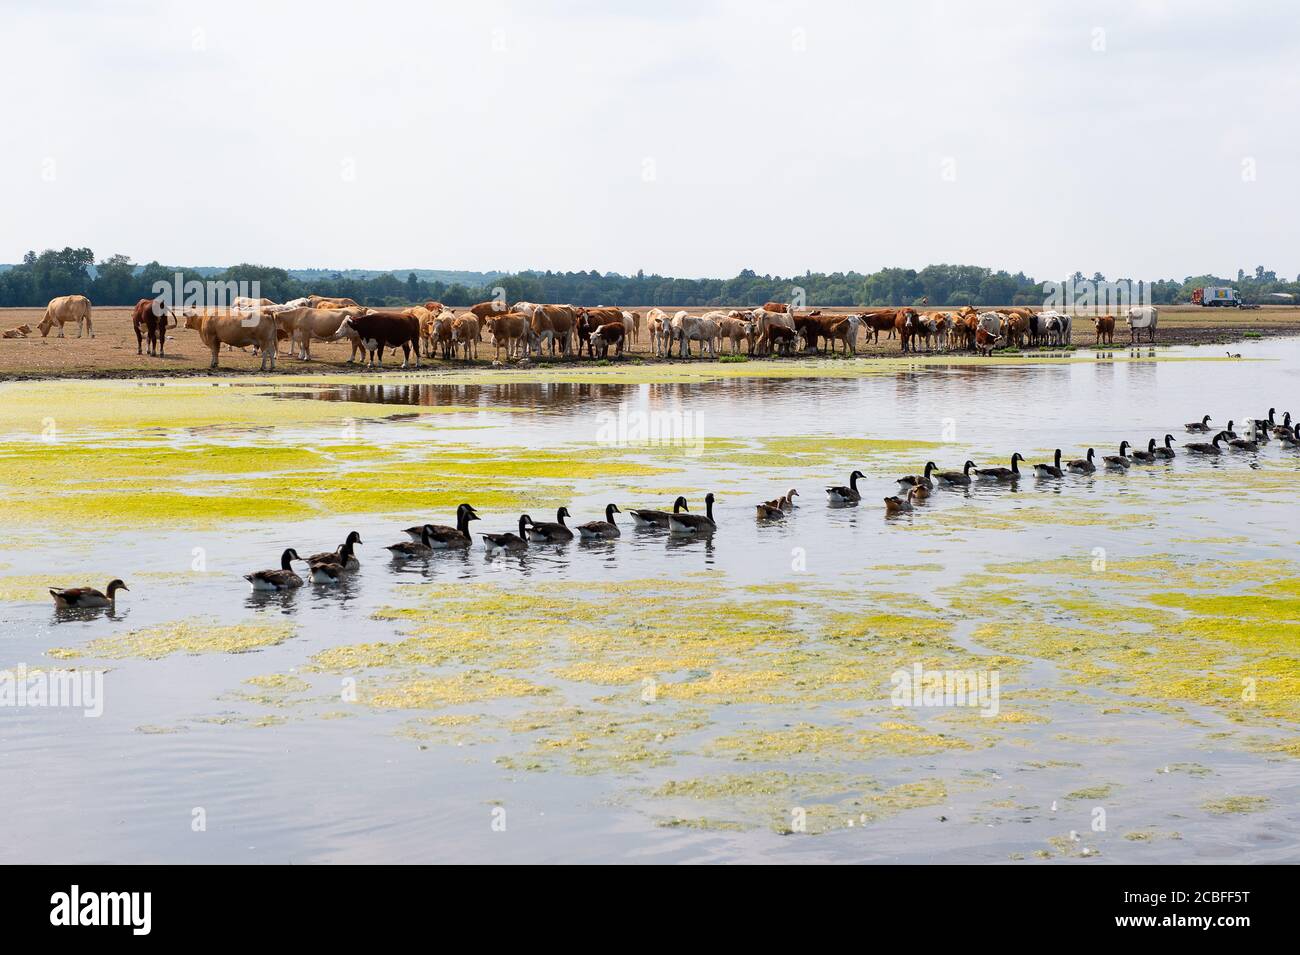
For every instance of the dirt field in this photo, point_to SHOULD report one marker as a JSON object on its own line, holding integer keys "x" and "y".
{"x": 112, "y": 353}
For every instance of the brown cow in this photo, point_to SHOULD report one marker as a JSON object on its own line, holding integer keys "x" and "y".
{"x": 611, "y": 333}
{"x": 18, "y": 331}
{"x": 905, "y": 320}
{"x": 589, "y": 319}
{"x": 237, "y": 329}
{"x": 879, "y": 320}
{"x": 780, "y": 339}
{"x": 150, "y": 315}
{"x": 379, "y": 330}
{"x": 465, "y": 333}
{"x": 510, "y": 330}
{"x": 775, "y": 307}
{"x": 560, "y": 320}
{"x": 1104, "y": 325}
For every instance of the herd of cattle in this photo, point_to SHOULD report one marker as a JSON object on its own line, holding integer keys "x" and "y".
{"x": 527, "y": 329}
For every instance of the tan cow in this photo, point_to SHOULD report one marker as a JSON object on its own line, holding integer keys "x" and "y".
{"x": 243, "y": 301}
{"x": 737, "y": 330}
{"x": 65, "y": 309}
{"x": 764, "y": 319}
{"x": 336, "y": 301}
{"x": 561, "y": 319}
{"x": 465, "y": 332}
{"x": 632, "y": 320}
{"x": 687, "y": 328}
{"x": 441, "y": 338}
{"x": 237, "y": 329}
{"x": 21, "y": 331}
{"x": 660, "y": 325}
{"x": 510, "y": 330}
{"x": 317, "y": 324}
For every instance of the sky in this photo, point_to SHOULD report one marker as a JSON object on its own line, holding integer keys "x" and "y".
{"x": 1140, "y": 139}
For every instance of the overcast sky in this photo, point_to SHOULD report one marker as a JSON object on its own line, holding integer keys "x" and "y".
{"x": 1139, "y": 139}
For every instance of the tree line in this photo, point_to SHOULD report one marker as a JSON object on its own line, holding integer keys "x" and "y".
{"x": 119, "y": 281}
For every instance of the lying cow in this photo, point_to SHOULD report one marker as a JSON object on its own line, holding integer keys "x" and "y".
{"x": 149, "y": 319}
{"x": 21, "y": 331}
{"x": 379, "y": 330}
{"x": 236, "y": 329}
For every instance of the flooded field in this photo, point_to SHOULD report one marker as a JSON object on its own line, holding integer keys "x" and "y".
{"x": 1136, "y": 635}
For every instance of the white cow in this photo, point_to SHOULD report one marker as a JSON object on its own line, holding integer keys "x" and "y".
{"x": 686, "y": 329}
{"x": 661, "y": 332}
{"x": 1140, "y": 317}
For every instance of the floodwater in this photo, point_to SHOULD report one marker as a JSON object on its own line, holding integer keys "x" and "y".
{"x": 651, "y": 699}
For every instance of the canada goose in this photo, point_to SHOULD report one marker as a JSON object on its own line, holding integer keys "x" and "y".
{"x": 551, "y": 531}
{"x": 1166, "y": 452}
{"x": 1200, "y": 447}
{"x": 76, "y": 598}
{"x": 416, "y": 533}
{"x": 770, "y": 511}
{"x": 509, "y": 541}
{"x": 957, "y": 477}
{"x": 600, "y": 530}
{"x": 1119, "y": 462}
{"x": 1002, "y": 474}
{"x": 343, "y": 555}
{"x": 410, "y": 550}
{"x": 694, "y": 523}
{"x": 327, "y": 572}
{"x": 846, "y": 495}
{"x": 1228, "y": 430}
{"x": 1149, "y": 455}
{"x": 787, "y": 499}
{"x": 912, "y": 480}
{"x": 1243, "y": 444}
{"x": 901, "y": 505}
{"x": 1083, "y": 465}
{"x": 1199, "y": 427}
{"x": 282, "y": 579}
{"x": 1292, "y": 438}
{"x": 645, "y": 518}
{"x": 1283, "y": 430}
{"x": 1231, "y": 355}
{"x": 449, "y": 538}
{"x": 1052, "y": 470}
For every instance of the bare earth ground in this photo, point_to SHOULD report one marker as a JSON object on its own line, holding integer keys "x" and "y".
{"x": 112, "y": 353}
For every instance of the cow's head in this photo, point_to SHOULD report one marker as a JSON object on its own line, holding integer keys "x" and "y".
{"x": 45, "y": 325}
{"x": 192, "y": 319}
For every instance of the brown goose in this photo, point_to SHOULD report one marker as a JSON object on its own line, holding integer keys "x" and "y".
{"x": 342, "y": 555}
{"x": 683, "y": 524}
{"x": 1002, "y": 474}
{"x": 957, "y": 477}
{"x": 509, "y": 541}
{"x": 912, "y": 480}
{"x": 1052, "y": 470}
{"x": 1119, "y": 462}
{"x": 444, "y": 533}
{"x": 552, "y": 532}
{"x": 1167, "y": 452}
{"x": 410, "y": 550}
{"x": 282, "y": 579}
{"x": 1200, "y": 447}
{"x": 846, "y": 495}
{"x": 650, "y": 518}
{"x": 77, "y": 598}
{"x": 1199, "y": 427}
{"x": 601, "y": 530}
{"x": 1083, "y": 465}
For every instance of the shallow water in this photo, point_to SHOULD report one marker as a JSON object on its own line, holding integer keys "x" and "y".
{"x": 650, "y": 699}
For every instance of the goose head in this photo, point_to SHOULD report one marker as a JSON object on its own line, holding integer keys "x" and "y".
{"x": 680, "y": 505}
{"x": 560, "y": 515}
{"x": 353, "y": 538}
{"x": 114, "y": 586}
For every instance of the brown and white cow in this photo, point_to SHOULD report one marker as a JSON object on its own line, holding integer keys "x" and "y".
{"x": 611, "y": 333}
{"x": 379, "y": 330}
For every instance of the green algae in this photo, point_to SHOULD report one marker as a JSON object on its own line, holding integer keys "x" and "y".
{"x": 1236, "y": 805}
{"x": 183, "y": 636}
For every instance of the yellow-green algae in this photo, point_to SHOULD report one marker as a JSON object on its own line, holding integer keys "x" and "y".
{"x": 1236, "y": 805}
{"x": 182, "y": 636}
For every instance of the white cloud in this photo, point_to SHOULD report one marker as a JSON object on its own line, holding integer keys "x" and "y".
{"x": 782, "y": 137}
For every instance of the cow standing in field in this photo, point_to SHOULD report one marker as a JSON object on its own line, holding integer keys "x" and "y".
{"x": 1104, "y": 326}
{"x": 465, "y": 334}
{"x": 905, "y": 322}
{"x": 65, "y": 309}
{"x": 879, "y": 320}
{"x": 236, "y": 329}
{"x": 510, "y": 330}
{"x": 317, "y": 324}
{"x": 1140, "y": 317}
{"x": 379, "y": 330}
{"x": 149, "y": 319}
{"x": 611, "y": 333}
